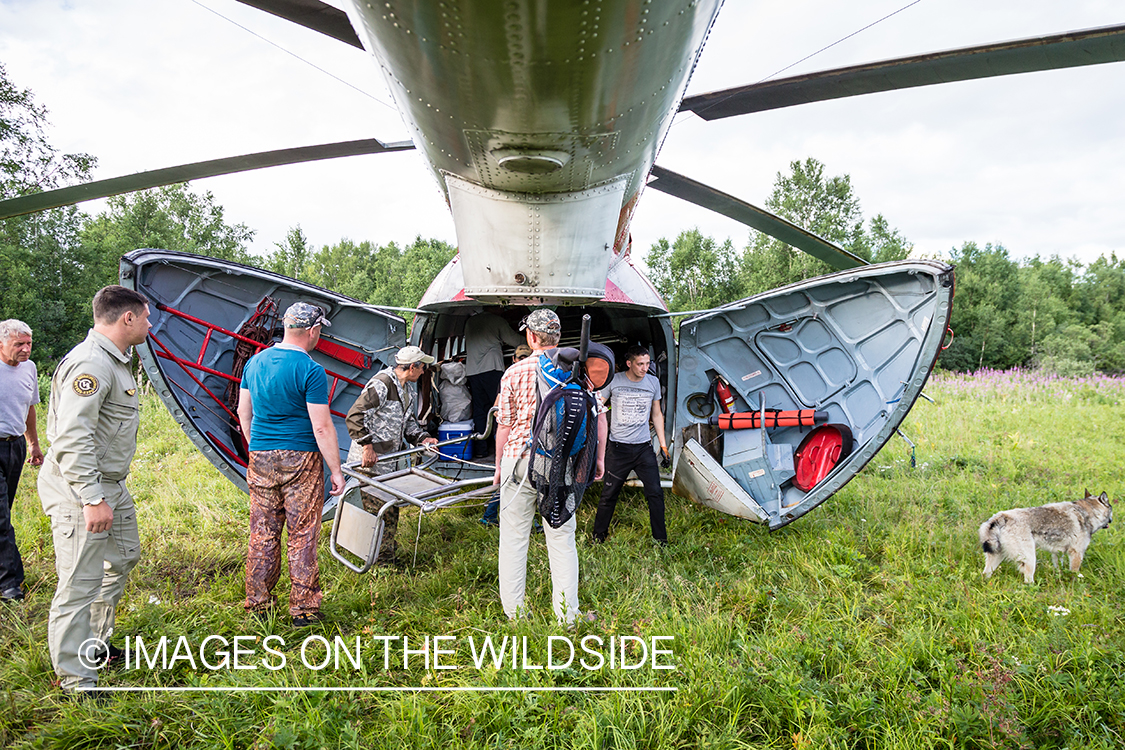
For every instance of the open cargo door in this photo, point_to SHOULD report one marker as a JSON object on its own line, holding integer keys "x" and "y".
{"x": 209, "y": 316}
{"x": 851, "y": 349}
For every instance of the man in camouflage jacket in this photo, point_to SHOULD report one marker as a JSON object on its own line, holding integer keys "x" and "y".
{"x": 381, "y": 421}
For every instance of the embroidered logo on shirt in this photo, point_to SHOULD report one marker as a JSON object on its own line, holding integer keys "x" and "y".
{"x": 131, "y": 391}
{"x": 86, "y": 385}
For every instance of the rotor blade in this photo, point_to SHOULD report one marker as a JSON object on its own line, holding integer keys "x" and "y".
{"x": 1090, "y": 47}
{"x": 667, "y": 181}
{"x": 312, "y": 14}
{"x": 144, "y": 180}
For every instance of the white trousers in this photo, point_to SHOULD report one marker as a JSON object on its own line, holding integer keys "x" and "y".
{"x": 517, "y": 514}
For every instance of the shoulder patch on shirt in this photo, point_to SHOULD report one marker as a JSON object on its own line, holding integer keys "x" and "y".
{"x": 86, "y": 385}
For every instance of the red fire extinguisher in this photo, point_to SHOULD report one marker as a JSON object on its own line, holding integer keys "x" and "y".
{"x": 724, "y": 396}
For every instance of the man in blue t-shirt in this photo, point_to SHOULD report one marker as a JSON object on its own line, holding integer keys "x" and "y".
{"x": 283, "y": 411}
{"x": 634, "y": 400}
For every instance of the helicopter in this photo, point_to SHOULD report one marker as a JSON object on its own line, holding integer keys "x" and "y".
{"x": 543, "y": 150}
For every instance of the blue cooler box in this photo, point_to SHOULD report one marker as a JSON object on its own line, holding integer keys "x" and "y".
{"x": 451, "y": 430}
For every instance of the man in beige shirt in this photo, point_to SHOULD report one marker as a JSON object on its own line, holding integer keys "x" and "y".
{"x": 92, "y": 423}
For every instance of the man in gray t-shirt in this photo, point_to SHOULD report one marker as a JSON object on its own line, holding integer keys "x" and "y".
{"x": 19, "y": 393}
{"x": 634, "y": 400}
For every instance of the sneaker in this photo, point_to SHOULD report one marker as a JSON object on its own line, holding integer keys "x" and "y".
{"x": 491, "y": 515}
{"x": 13, "y": 594}
{"x": 307, "y": 619}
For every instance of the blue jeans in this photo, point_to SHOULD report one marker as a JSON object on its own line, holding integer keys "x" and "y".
{"x": 492, "y": 510}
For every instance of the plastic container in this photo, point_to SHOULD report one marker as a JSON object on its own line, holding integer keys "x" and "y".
{"x": 451, "y": 430}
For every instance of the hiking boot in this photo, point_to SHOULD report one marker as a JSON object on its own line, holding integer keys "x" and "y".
{"x": 307, "y": 619}
{"x": 14, "y": 594}
{"x": 112, "y": 658}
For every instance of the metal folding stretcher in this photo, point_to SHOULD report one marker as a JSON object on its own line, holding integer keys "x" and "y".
{"x": 359, "y": 533}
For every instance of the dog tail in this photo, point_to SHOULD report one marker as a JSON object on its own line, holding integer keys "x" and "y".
{"x": 990, "y": 534}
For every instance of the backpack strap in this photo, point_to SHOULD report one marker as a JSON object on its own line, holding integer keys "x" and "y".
{"x": 392, "y": 386}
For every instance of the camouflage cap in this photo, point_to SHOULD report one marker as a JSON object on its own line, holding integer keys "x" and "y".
{"x": 408, "y": 355}
{"x": 304, "y": 315}
{"x": 542, "y": 321}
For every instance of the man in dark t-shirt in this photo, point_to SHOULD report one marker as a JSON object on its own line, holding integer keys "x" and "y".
{"x": 283, "y": 411}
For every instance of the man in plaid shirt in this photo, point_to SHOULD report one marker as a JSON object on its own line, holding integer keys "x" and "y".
{"x": 518, "y": 399}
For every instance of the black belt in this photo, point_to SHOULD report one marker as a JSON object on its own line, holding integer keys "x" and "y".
{"x": 11, "y": 439}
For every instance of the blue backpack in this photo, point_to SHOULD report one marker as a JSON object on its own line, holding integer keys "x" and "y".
{"x": 558, "y": 381}
{"x": 564, "y": 437}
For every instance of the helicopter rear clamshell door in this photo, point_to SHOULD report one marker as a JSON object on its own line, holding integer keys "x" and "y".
{"x": 209, "y": 316}
{"x": 841, "y": 357}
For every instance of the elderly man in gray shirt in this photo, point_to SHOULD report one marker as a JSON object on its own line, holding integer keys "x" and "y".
{"x": 19, "y": 393}
{"x": 485, "y": 335}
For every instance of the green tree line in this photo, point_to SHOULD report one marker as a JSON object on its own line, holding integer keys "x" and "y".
{"x": 696, "y": 272}
{"x": 52, "y": 262}
{"x": 1053, "y": 314}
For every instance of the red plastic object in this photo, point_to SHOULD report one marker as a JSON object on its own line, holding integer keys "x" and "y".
{"x": 345, "y": 354}
{"x": 745, "y": 420}
{"x": 819, "y": 453}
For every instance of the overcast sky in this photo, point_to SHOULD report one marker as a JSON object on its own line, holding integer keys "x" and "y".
{"x": 1035, "y": 162}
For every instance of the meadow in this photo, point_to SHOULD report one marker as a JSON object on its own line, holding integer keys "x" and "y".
{"x": 865, "y": 624}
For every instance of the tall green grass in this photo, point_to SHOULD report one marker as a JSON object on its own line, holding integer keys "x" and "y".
{"x": 863, "y": 625}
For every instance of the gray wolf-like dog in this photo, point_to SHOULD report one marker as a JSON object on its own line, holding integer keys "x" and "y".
{"x": 1059, "y": 527}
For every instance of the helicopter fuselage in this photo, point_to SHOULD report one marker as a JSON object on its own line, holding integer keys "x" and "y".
{"x": 540, "y": 122}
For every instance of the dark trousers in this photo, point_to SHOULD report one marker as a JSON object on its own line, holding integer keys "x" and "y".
{"x": 12, "y": 456}
{"x": 620, "y": 459}
{"x": 483, "y": 389}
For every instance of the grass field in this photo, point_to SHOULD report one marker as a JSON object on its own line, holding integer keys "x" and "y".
{"x": 863, "y": 625}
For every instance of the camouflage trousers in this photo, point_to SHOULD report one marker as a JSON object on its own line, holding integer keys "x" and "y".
{"x": 388, "y": 549}
{"x": 286, "y": 490}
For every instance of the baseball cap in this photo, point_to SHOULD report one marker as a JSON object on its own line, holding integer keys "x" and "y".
{"x": 304, "y": 315}
{"x": 542, "y": 321}
{"x": 408, "y": 355}
{"x": 523, "y": 350}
